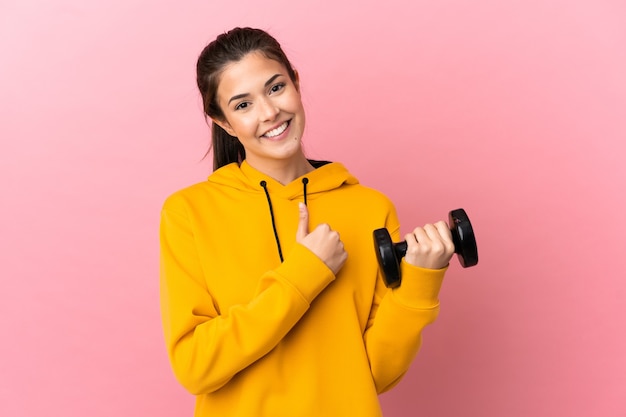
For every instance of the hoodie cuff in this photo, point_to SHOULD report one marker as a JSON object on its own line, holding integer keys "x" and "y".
{"x": 420, "y": 286}
{"x": 306, "y": 272}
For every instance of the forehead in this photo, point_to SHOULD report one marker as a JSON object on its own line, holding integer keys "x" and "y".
{"x": 248, "y": 74}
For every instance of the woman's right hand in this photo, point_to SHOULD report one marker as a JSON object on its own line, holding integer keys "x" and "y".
{"x": 324, "y": 242}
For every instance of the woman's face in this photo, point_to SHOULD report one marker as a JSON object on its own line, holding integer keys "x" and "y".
{"x": 262, "y": 107}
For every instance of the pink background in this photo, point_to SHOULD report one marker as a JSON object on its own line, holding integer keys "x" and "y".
{"x": 514, "y": 110}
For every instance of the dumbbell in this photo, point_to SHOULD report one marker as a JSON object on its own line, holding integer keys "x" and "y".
{"x": 389, "y": 254}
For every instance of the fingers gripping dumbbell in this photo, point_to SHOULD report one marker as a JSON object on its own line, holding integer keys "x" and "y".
{"x": 389, "y": 254}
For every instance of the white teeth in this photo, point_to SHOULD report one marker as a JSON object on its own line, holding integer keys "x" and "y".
{"x": 275, "y": 132}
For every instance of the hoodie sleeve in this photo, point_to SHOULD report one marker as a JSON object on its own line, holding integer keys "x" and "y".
{"x": 398, "y": 317}
{"x": 207, "y": 348}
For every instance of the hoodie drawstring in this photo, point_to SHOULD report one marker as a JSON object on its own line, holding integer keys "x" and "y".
{"x": 263, "y": 184}
{"x": 269, "y": 203}
{"x": 305, "y": 181}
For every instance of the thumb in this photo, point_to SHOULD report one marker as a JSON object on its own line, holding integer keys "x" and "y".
{"x": 303, "y": 222}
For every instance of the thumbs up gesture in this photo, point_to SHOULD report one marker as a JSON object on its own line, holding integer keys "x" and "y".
{"x": 322, "y": 241}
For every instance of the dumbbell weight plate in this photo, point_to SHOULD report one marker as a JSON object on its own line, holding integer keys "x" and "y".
{"x": 388, "y": 258}
{"x": 463, "y": 238}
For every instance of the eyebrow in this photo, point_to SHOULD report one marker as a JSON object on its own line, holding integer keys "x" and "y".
{"x": 267, "y": 83}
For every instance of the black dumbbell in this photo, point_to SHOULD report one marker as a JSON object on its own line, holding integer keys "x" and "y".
{"x": 389, "y": 253}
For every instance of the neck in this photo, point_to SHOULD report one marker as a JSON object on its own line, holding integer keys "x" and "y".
{"x": 284, "y": 171}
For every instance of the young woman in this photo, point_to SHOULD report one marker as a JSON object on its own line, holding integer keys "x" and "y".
{"x": 271, "y": 296}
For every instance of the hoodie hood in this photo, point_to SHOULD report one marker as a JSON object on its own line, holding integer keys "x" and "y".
{"x": 327, "y": 176}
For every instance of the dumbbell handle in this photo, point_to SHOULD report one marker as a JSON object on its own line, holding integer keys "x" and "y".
{"x": 400, "y": 248}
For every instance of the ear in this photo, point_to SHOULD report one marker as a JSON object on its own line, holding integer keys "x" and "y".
{"x": 224, "y": 125}
{"x": 297, "y": 80}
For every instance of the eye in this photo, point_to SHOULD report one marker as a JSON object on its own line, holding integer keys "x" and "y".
{"x": 277, "y": 87}
{"x": 241, "y": 106}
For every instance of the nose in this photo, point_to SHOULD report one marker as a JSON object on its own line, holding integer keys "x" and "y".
{"x": 268, "y": 109}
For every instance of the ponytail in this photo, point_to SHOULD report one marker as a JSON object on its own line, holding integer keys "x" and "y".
{"x": 226, "y": 148}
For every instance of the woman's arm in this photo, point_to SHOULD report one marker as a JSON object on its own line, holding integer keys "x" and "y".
{"x": 206, "y": 347}
{"x": 398, "y": 317}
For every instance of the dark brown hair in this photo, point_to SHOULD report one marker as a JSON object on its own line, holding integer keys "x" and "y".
{"x": 227, "y": 48}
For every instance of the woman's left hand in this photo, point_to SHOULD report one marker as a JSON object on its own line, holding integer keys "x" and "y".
{"x": 430, "y": 246}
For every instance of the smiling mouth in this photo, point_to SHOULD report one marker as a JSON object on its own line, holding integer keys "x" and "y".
{"x": 275, "y": 132}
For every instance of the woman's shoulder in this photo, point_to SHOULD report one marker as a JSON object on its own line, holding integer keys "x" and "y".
{"x": 353, "y": 188}
{"x": 372, "y": 196}
{"x": 186, "y": 196}
{"x": 205, "y": 190}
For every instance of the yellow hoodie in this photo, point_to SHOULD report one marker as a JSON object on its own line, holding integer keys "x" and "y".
{"x": 252, "y": 336}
